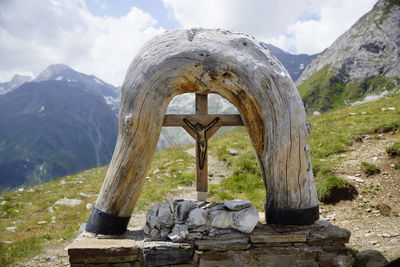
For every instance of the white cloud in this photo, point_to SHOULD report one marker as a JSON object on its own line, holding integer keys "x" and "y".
{"x": 35, "y": 34}
{"x": 312, "y": 36}
{"x": 306, "y": 26}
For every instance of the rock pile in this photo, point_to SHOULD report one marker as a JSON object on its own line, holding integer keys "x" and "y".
{"x": 181, "y": 220}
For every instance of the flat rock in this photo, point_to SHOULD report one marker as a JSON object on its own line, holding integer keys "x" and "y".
{"x": 233, "y": 241}
{"x": 166, "y": 253}
{"x": 245, "y": 220}
{"x": 68, "y": 202}
{"x": 91, "y": 250}
{"x": 258, "y": 257}
{"x": 237, "y": 204}
{"x": 267, "y": 234}
{"x": 196, "y": 218}
{"x": 371, "y": 258}
{"x": 220, "y": 219}
{"x": 328, "y": 234}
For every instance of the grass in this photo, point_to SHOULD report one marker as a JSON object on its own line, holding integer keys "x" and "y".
{"x": 397, "y": 165}
{"x": 394, "y": 150}
{"x": 386, "y": 11}
{"x": 371, "y": 188}
{"x": 331, "y": 134}
{"x": 326, "y": 89}
{"x": 245, "y": 182}
{"x": 24, "y": 209}
{"x": 369, "y": 168}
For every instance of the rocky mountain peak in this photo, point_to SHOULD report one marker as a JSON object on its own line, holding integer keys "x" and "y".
{"x": 364, "y": 61}
{"x": 18, "y": 79}
{"x": 50, "y": 71}
{"x": 369, "y": 48}
{"x": 294, "y": 64}
{"x": 15, "y": 82}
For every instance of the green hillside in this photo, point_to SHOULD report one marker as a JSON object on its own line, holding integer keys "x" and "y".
{"x": 362, "y": 61}
{"x": 327, "y": 89}
{"x": 40, "y": 223}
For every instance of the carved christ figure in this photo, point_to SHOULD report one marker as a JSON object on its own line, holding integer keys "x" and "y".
{"x": 201, "y": 139}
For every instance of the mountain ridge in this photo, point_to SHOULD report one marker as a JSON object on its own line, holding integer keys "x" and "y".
{"x": 363, "y": 60}
{"x": 295, "y": 64}
{"x": 53, "y": 128}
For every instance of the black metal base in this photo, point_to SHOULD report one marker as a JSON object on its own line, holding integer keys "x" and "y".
{"x": 103, "y": 223}
{"x": 291, "y": 216}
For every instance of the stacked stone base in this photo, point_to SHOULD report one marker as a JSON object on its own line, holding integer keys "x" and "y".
{"x": 319, "y": 244}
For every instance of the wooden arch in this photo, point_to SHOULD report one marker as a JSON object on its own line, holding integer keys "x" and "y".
{"x": 238, "y": 68}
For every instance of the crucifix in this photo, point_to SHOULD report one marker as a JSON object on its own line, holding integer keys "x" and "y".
{"x": 201, "y": 126}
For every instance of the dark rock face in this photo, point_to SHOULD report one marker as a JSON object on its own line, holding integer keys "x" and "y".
{"x": 294, "y": 64}
{"x": 374, "y": 47}
{"x": 51, "y": 129}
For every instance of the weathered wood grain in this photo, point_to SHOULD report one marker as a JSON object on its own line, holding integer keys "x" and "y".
{"x": 239, "y": 69}
{"x": 224, "y": 120}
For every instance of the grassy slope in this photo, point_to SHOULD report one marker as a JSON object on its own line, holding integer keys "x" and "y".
{"x": 328, "y": 88}
{"x": 25, "y": 209}
{"x": 325, "y": 89}
{"x": 332, "y": 133}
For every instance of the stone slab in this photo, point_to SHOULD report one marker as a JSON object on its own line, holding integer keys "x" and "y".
{"x": 328, "y": 234}
{"x": 234, "y": 241}
{"x": 268, "y": 245}
{"x": 267, "y": 234}
{"x": 91, "y": 250}
{"x": 255, "y": 257}
{"x": 166, "y": 253}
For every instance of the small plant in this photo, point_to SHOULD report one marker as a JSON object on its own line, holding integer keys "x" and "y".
{"x": 369, "y": 168}
{"x": 377, "y": 137}
{"x": 397, "y": 165}
{"x": 394, "y": 150}
{"x": 332, "y": 189}
{"x": 371, "y": 188}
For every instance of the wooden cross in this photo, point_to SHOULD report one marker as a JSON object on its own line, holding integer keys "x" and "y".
{"x": 201, "y": 126}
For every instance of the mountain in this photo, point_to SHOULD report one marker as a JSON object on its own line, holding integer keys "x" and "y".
{"x": 51, "y": 128}
{"x": 15, "y": 82}
{"x": 61, "y": 72}
{"x": 364, "y": 60}
{"x": 294, "y": 64}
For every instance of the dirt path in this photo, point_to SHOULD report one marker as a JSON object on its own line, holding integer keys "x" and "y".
{"x": 373, "y": 217}
{"x": 57, "y": 255}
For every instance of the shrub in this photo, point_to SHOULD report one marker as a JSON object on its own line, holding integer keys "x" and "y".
{"x": 332, "y": 189}
{"x": 394, "y": 150}
{"x": 397, "y": 165}
{"x": 387, "y": 127}
{"x": 369, "y": 168}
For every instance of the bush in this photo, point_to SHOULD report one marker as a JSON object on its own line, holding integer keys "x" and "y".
{"x": 397, "y": 165}
{"x": 387, "y": 127}
{"x": 394, "y": 150}
{"x": 332, "y": 189}
{"x": 369, "y": 168}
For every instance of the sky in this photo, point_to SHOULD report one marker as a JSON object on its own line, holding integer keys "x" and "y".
{"x": 101, "y": 37}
